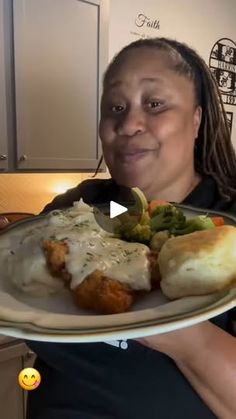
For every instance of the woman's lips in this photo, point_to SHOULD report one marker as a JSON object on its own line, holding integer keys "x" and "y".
{"x": 133, "y": 156}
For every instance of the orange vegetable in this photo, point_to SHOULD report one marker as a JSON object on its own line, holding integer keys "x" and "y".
{"x": 156, "y": 203}
{"x": 218, "y": 221}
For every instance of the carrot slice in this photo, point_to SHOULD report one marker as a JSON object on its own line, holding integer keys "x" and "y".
{"x": 218, "y": 221}
{"x": 156, "y": 203}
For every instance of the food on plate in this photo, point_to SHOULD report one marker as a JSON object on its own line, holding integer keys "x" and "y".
{"x": 56, "y": 252}
{"x": 70, "y": 250}
{"x": 104, "y": 273}
{"x": 159, "y": 239}
{"x": 166, "y": 219}
{"x": 104, "y": 295}
{"x": 199, "y": 263}
{"x": 107, "y": 272}
{"x": 218, "y": 221}
{"x": 133, "y": 231}
{"x": 155, "y": 204}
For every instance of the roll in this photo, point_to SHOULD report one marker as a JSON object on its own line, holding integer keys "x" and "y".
{"x": 199, "y": 263}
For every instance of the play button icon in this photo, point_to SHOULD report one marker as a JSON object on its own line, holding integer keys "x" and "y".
{"x": 113, "y": 214}
{"x": 116, "y": 209}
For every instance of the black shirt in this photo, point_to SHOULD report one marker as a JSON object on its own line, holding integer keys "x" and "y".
{"x": 102, "y": 381}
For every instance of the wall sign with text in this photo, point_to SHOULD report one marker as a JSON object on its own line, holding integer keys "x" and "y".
{"x": 223, "y": 65}
{"x": 143, "y": 20}
{"x": 148, "y": 26}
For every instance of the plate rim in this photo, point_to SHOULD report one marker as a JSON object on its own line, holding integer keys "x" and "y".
{"x": 178, "y": 320}
{"x": 128, "y": 333}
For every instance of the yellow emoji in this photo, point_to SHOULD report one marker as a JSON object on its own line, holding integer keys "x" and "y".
{"x": 29, "y": 378}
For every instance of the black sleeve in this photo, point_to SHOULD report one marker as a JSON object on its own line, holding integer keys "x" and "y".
{"x": 64, "y": 200}
{"x": 91, "y": 190}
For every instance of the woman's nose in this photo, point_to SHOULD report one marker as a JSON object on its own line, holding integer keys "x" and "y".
{"x": 131, "y": 123}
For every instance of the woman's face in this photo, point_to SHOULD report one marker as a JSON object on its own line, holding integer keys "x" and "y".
{"x": 149, "y": 121}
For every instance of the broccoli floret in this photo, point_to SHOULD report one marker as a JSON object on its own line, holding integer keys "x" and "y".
{"x": 166, "y": 218}
{"x": 133, "y": 230}
{"x": 140, "y": 233}
{"x": 167, "y": 209}
{"x": 202, "y": 222}
{"x": 126, "y": 222}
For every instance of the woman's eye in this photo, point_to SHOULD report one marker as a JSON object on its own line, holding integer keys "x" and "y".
{"x": 154, "y": 104}
{"x": 117, "y": 108}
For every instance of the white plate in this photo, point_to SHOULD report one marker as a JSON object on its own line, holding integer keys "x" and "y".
{"x": 57, "y": 319}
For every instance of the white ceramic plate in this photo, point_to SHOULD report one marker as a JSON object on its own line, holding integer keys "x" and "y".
{"x": 57, "y": 319}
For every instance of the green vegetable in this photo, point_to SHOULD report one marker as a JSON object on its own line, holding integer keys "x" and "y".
{"x": 165, "y": 221}
{"x": 167, "y": 217}
{"x": 164, "y": 209}
{"x": 145, "y": 219}
{"x": 140, "y": 199}
{"x": 202, "y": 222}
{"x": 141, "y": 233}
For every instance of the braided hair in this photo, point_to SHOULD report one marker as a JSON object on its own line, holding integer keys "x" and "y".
{"x": 214, "y": 154}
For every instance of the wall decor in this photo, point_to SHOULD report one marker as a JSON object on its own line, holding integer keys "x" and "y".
{"x": 222, "y": 63}
{"x": 143, "y": 20}
{"x": 145, "y": 26}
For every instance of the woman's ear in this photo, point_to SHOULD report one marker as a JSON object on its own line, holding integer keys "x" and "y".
{"x": 197, "y": 117}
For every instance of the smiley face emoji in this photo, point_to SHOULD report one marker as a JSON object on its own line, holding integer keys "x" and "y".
{"x": 29, "y": 378}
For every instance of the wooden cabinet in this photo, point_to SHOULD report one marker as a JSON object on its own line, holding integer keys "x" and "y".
{"x": 14, "y": 356}
{"x": 60, "y": 50}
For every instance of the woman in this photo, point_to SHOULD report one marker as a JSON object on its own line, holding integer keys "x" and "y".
{"x": 163, "y": 129}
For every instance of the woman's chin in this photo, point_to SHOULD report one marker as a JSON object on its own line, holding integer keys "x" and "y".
{"x": 132, "y": 176}
{"x": 131, "y": 181}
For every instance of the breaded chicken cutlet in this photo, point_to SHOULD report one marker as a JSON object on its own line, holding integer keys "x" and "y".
{"x": 98, "y": 291}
